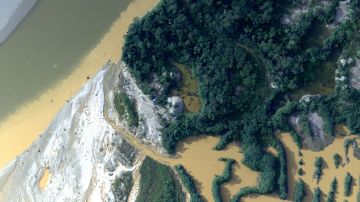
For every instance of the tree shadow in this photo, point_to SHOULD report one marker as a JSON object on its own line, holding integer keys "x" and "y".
{"x": 257, "y": 197}
{"x": 184, "y": 145}
{"x": 308, "y": 193}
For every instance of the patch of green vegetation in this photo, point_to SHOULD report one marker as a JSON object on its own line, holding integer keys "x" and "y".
{"x": 189, "y": 184}
{"x": 220, "y": 179}
{"x": 316, "y": 195}
{"x": 126, "y": 107}
{"x": 300, "y": 172}
{"x": 348, "y": 142}
{"x": 332, "y": 191}
{"x": 305, "y": 125}
{"x": 122, "y": 186}
{"x": 282, "y": 179}
{"x": 127, "y": 151}
{"x": 263, "y": 185}
{"x": 348, "y": 184}
{"x": 300, "y": 191}
{"x": 158, "y": 183}
{"x": 319, "y": 161}
{"x": 337, "y": 160}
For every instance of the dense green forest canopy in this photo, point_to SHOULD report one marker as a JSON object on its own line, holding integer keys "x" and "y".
{"x": 158, "y": 183}
{"x": 243, "y": 44}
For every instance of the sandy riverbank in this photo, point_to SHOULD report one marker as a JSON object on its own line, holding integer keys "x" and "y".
{"x": 79, "y": 149}
{"x": 20, "y": 129}
{"x": 12, "y": 12}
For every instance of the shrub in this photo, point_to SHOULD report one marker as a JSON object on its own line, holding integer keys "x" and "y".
{"x": 331, "y": 194}
{"x": 316, "y": 195}
{"x": 318, "y": 168}
{"x": 337, "y": 159}
{"x": 301, "y": 162}
{"x": 218, "y": 180}
{"x": 347, "y": 143}
{"x": 282, "y": 180}
{"x": 300, "y": 172}
{"x": 299, "y": 191}
{"x": 348, "y": 184}
{"x": 119, "y": 105}
{"x": 188, "y": 183}
{"x": 124, "y": 104}
{"x": 122, "y": 186}
{"x": 318, "y": 162}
